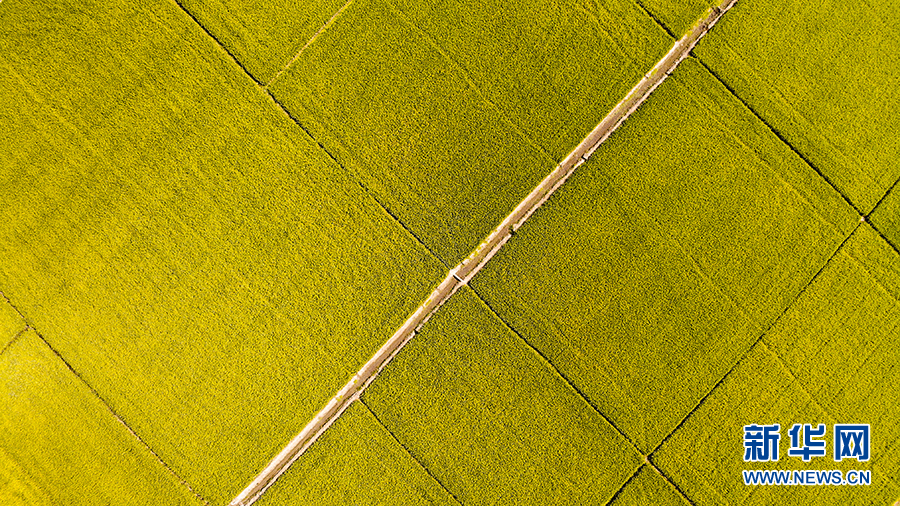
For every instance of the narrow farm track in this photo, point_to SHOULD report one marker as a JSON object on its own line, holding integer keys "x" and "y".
{"x": 471, "y": 265}
{"x": 310, "y": 41}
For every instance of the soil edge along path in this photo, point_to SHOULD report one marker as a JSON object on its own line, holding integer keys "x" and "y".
{"x": 465, "y": 270}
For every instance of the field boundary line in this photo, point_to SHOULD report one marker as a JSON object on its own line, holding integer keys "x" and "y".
{"x": 13, "y": 340}
{"x": 796, "y": 380}
{"x": 466, "y": 75}
{"x": 781, "y": 137}
{"x": 462, "y": 273}
{"x": 563, "y": 377}
{"x": 106, "y": 404}
{"x": 216, "y": 40}
{"x": 888, "y": 192}
{"x": 623, "y": 485}
{"x": 659, "y": 22}
{"x": 671, "y": 483}
{"x": 409, "y": 452}
{"x": 312, "y": 39}
{"x": 352, "y": 176}
{"x": 885, "y": 238}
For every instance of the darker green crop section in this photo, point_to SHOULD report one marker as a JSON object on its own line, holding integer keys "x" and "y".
{"x": 451, "y": 112}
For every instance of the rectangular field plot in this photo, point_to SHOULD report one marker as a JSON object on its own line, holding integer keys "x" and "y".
{"x": 826, "y": 76}
{"x": 491, "y": 420}
{"x": 263, "y": 36}
{"x": 648, "y": 487}
{"x": 705, "y": 456}
{"x": 886, "y": 217}
{"x": 445, "y": 126}
{"x": 181, "y": 242}
{"x": 356, "y": 461}
{"x": 841, "y": 340}
{"x": 60, "y": 445}
{"x": 665, "y": 255}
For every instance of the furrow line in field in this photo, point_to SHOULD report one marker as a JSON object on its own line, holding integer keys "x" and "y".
{"x": 888, "y": 192}
{"x": 13, "y": 340}
{"x": 654, "y": 18}
{"x": 217, "y": 41}
{"x": 465, "y": 270}
{"x": 874, "y": 277}
{"x": 559, "y": 373}
{"x": 624, "y": 485}
{"x": 358, "y": 181}
{"x": 348, "y": 393}
{"x": 796, "y": 380}
{"x": 315, "y": 36}
{"x": 467, "y": 77}
{"x": 895, "y": 247}
{"x": 781, "y": 137}
{"x": 670, "y": 482}
{"x": 106, "y": 404}
{"x": 757, "y": 341}
{"x": 875, "y": 228}
{"x": 410, "y": 453}
{"x": 121, "y": 420}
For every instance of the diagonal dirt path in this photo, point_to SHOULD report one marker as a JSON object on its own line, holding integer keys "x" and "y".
{"x": 315, "y": 36}
{"x": 465, "y": 270}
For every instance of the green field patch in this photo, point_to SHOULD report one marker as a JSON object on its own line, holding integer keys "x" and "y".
{"x": 666, "y": 254}
{"x": 553, "y": 68}
{"x": 491, "y": 420}
{"x": 841, "y": 339}
{"x": 263, "y": 36}
{"x": 395, "y": 111}
{"x": 705, "y": 456}
{"x": 181, "y": 241}
{"x": 356, "y": 461}
{"x": 678, "y": 16}
{"x": 59, "y": 444}
{"x": 11, "y": 324}
{"x": 886, "y": 217}
{"x": 826, "y": 77}
{"x": 648, "y": 487}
